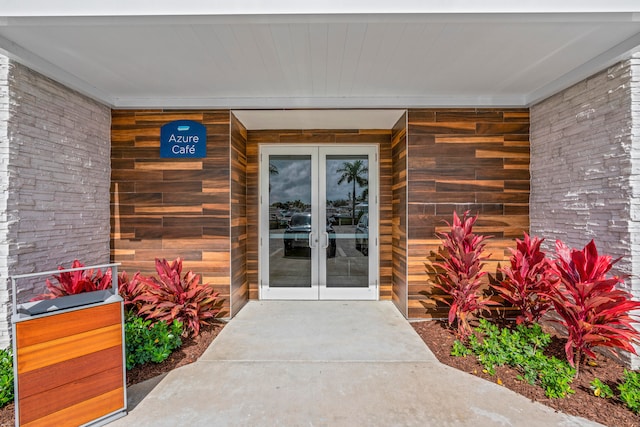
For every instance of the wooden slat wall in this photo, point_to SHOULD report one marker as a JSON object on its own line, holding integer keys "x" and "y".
{"x": 475, "y": 159}
{"x": 239, "y": 283}
{"x": 380, "y": 137}
{"x": 167, "y": 208}
{"x": 70, "y": 366}
{"x": 464, "y": 159}
{"x": 399, "y": 230}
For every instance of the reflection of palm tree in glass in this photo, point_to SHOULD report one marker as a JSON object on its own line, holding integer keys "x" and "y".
{"x": 273, "y": 170}
{"x": 356, "y": 173}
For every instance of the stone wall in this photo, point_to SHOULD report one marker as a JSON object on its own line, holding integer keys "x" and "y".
{"x": 585, "y": 167}
{"x": 57, "y": 195}
{"x": 4, "y": 192}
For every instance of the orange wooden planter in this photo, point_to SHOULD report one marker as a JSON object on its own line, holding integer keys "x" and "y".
{"x": 69, "y": 365}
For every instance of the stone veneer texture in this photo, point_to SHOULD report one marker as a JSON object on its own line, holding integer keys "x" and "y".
{"x": 4, "y": 192}
{"x": 585, "y": 167}
{"x": 55, "y": 161}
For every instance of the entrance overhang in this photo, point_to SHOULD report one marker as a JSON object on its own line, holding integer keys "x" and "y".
{"x": 318, "y": 119}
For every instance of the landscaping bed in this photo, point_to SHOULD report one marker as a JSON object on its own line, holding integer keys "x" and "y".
{"x": 610, "y": 412}
{"x": 439, "y": 339}
{"x": 190, "y": 350}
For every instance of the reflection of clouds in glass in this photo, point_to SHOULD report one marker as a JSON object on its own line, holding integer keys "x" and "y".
{"x": 293, "y": 181}
{"x": 335, "y": 191}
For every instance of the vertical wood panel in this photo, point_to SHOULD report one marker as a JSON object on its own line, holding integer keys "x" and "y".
{"x": 239, "y": 283}
{"x": 399, "y": 231}
{"x": 167, "y": 208}
{"x": 464, "y": 159}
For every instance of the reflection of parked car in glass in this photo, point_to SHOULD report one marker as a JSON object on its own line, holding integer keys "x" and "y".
{"x": 274, "y": 218}
{"x": 296, "y": 236}
{"x": 362, "y": 235}
{"x": 285, "y": 218}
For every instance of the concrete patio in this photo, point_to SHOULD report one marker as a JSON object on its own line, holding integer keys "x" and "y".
{"x": 331, "y": 363}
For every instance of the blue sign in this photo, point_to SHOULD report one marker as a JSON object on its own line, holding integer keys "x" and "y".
{"x": 183, "y": 139}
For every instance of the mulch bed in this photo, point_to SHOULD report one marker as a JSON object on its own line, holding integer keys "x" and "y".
{"x": 189, "y": 352}
{"x": 610, "y": 412}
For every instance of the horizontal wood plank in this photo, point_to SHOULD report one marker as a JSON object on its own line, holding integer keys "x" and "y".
{"x": 48, "y": 328}
{"x": 58, "y": 350}
{"x": 70, "y": 394}
{"x": 473, "y": 160}
{"x": 53, "y": 376}
{"x": 83, "y": 412}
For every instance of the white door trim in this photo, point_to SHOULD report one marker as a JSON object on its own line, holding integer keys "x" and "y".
{"x": 318, "y": 288}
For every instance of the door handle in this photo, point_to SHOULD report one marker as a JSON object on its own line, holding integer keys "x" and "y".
{"x": 312, "y": 240}
{"x": 326, "y": 245}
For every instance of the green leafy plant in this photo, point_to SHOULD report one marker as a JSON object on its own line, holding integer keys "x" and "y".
{"x": 459, "y": 350}
{"x": 592, "y": 311}
{"x": 461, "y": 273}
{"x": 6, "y": 377}
{"x": 76, "y": 282}
{"x": 149, "y": 342}
{"x": 172, "y": 296}
{"x": 630, "y": 390}
{"x": 554, "y": 375}
{"x": 522, "y": 348}
{"x": 601, "y": 389}
{"x": 528, "y": 280}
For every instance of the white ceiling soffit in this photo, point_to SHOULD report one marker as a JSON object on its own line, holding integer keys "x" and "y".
{"x": 245, "y": 55}
{"x": 318, "y": 119}
{"x": 277, "y": 7}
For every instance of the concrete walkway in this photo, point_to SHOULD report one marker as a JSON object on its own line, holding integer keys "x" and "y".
{"x": 327, "y": 363}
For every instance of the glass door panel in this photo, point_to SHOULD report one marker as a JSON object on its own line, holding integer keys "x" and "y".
{"x": 289, "y": 239}
{"x": 318, "y": 219}
{"x": 290, "y": 221}
{"x": 348, "y": 188}
{"x": 347, "y": 208}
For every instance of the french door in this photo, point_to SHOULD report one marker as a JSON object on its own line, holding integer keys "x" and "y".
{"x": 318, "y": 222}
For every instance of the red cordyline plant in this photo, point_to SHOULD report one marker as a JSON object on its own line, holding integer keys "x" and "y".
{"x": 528, "y": 280}
{"x": 130, "y": 289}
{"x": 173, "y": 297}
{"x": 76, "y": 282}
{"x": 594, "y": 313}
{"x": 460, "y": 278}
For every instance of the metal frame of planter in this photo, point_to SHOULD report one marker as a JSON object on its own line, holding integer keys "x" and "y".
{"x": 69, "y": 356}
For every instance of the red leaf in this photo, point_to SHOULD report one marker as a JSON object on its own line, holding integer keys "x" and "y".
{"x": 593, "y": 311}
{"x": 460, "y": 271}
{"x": 172, "y": 297}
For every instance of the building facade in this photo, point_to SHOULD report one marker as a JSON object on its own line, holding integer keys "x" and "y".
{"x": 84, "y": 179}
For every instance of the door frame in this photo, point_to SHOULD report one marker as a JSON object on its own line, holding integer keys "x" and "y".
{"x": 318, "y": 289}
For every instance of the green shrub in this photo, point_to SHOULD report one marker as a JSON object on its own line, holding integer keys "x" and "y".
{"x": 6, "y": 377}
{"x": 459, "y": 350}
{"x": 601, "y": 389}
{"x": 630, "y": 390}
{"x": 554, "y": 376}
{"x": 521, "y": 348}
{"x": 147, "y": 342}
